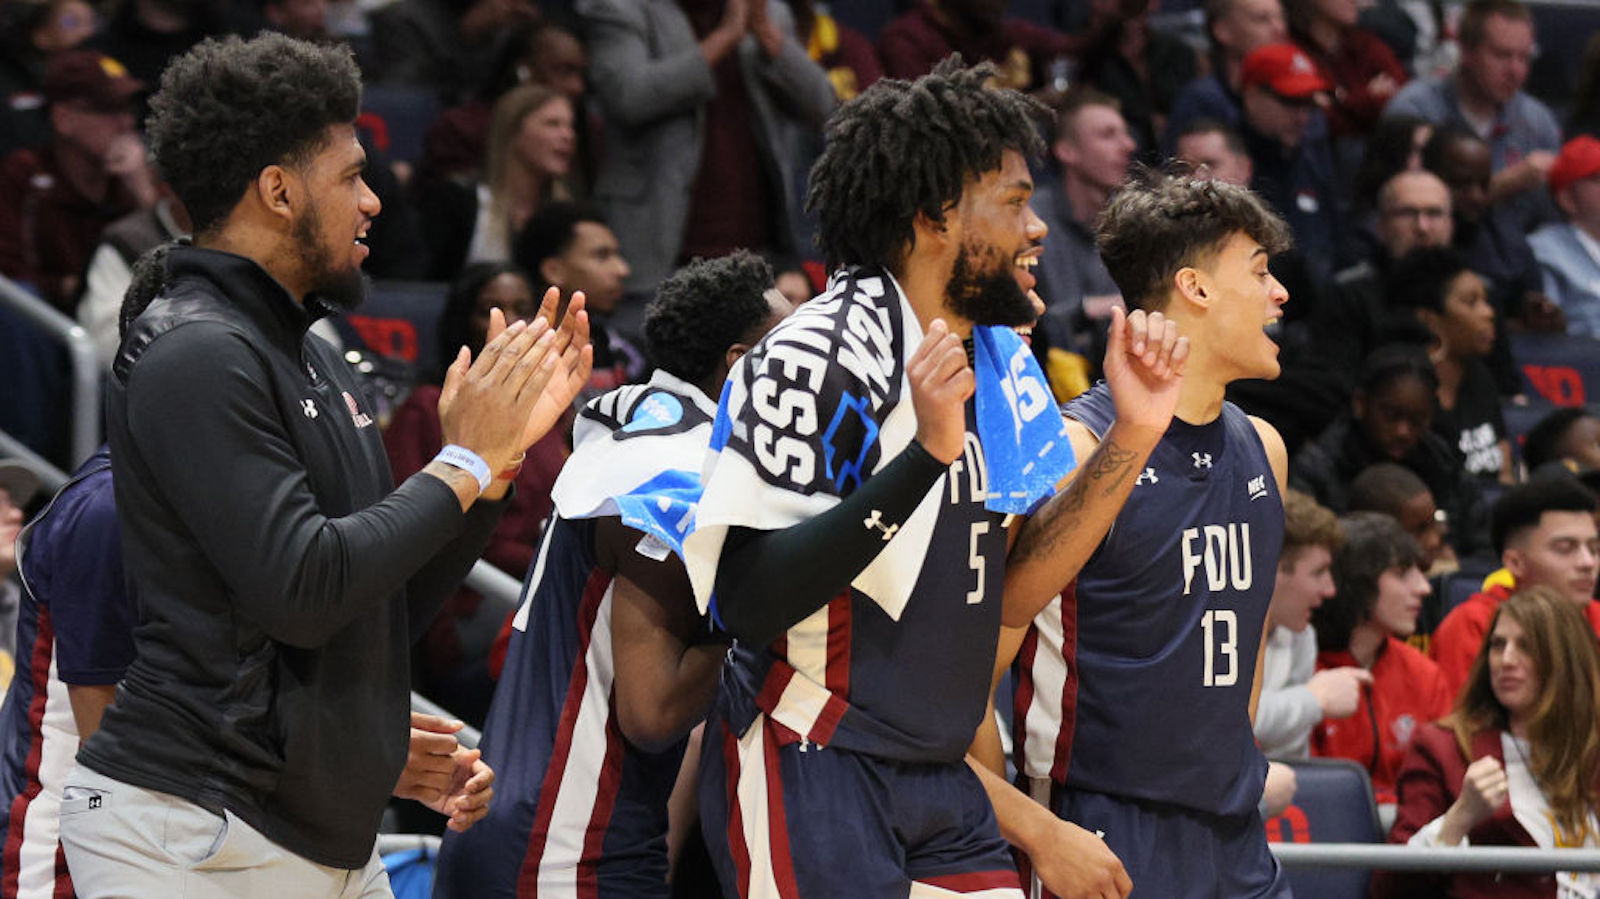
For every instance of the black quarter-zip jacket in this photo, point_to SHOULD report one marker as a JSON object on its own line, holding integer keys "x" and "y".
{"x": 280, "y": 576}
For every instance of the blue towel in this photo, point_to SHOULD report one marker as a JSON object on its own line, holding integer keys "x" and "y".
{"x": 1025, "y": 445}
{"x": 663, "y": 507}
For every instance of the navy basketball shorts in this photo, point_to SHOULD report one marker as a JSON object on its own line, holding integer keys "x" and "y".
{"x": 788, "y": 819}
{"x": 1174, "y": 852}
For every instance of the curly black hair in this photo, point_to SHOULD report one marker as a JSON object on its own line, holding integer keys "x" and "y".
{"x": 229, "y": 108}
{"x": 704, "y": 308}
{"x": 1543, "y": 443}
{"x": 904, "y": 147}
{"x": 1165, "y": 219}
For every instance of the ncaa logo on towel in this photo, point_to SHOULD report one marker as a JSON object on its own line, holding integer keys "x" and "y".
{"x": 656, "y": 411}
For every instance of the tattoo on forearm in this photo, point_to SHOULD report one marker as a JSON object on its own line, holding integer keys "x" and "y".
{"x": 1105, "y": 471}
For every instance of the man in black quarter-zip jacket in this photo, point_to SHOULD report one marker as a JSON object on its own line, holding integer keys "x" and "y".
{"x": 280, "y": 574}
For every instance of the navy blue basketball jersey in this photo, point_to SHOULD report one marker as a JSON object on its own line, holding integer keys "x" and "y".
{"x": 897, "y": 665}
{"x": 1136, "y": 681}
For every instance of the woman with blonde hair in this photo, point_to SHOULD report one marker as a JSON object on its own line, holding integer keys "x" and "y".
{"x": 1517, "y": 763}
{"x": 529, "y": 161}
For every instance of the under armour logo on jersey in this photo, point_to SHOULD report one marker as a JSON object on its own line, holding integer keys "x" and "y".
{"x": 1257, "y": 487}
{"x": 875, "y": 520}
{"x": 309, "y": 407}
{"x": 1148, "y": 477}
{"x": 1201, "y": 460}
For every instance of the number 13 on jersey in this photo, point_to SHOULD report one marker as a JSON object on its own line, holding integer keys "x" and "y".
{"x": 1221, "y": 633}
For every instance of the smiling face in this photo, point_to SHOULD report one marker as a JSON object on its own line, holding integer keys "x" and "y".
{"x": 329, "y": 233}
{"x": 1243, "y": 300}
{"x": 1513, "y": 671}
{"x": 546, "y": 141}
{"x": 1000, "y": 237}
{"x": 1400, "y": 595}
{"x": 1560, "y": 554}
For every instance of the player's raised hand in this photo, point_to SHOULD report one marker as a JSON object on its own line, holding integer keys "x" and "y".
{"x": 941, "y": 382}
{"x": 486, "y": 402}
{"x": 575, "y": 359}
{"x": 1145, "y": 357}
{"x": 1080, "y": 865}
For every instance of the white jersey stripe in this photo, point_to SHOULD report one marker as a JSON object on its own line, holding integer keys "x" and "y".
{"x": 36, "y": 857}
{"x": 806, "y": 647}
{"x": 755, "y": 811}
{"x": 1048, "y": 674}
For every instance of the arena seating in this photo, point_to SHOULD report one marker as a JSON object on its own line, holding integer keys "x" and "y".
{"x": 1333, "y": 803}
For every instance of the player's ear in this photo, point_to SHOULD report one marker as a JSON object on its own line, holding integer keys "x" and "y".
{"x": 929, "y": 231}
{"x": 1191, "y": 286}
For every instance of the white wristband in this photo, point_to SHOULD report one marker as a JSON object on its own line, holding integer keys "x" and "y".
{"x": 468, "y": 461}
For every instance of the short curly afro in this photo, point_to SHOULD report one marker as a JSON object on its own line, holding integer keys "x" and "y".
{"x": 704, "y": 308}
{"x": 229, "y": 108}
{"x": 905, "y": 147}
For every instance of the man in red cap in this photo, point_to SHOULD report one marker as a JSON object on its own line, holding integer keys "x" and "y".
{"x": 55, "y": 200}
{"x": 1569, "y": 251}
{"x": 1283, "y": 130}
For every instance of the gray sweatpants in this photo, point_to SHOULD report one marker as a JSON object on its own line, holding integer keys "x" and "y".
{"x": 126, "y": 842}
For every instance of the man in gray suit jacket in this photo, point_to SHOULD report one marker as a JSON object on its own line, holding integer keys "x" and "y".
{"x": 710, "y": 107}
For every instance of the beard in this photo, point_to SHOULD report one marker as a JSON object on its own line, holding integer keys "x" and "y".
{"x": 340, "y": 289}
{"x": 989, "y": 297}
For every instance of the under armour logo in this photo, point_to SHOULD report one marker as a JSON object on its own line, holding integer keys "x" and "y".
{"x": 309, "y": 408}
{"x": 1148, "y": 477}
{"x": 1257, "y": 487}
{"x": 94, "y": 801}
{"x": 875, "y": 520}
{"x": 1201, "y": 460}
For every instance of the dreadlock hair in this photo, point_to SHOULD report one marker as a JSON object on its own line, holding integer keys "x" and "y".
{"x": 229, "y": 108}
{"x": 1373, "y": 544}
{"x": 908, "y": 147}
{"x": 703, "y": 309}
{"x": 1165, "y": 220}
{"x": 149, "y": 278}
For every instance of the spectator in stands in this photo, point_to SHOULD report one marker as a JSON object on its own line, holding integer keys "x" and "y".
{"x": 55, "y": 201}
{"x": 1293, "y": 163}
{"x": 572, "y": 248}
{"x": 1392, "y": 489}
{"x": 1391, "y": 419}
{"x": 548, "y": 51}
{"x": 1144, "y": 69}
{"x": 1569, "y": 252}
{"x": 1517, "y": 762}
{"x": 1394, "y": 146}
{"x": 451, "y": 660}
{"x": 1294, "y": 695}
{"x": 443, "y": 45}
{"x": 145, "y": 34}
{"x": 30, "y": 32}
{"x": 843, "y": 52}
{"x": 1570, "y": 435}
{"x": 532, "y": 142}
{"x": 1485, "y": 95}
{"x": 1450, "y": 301}
{"x": 110, "y": 268}
{"x": 1092, "y": 149}
{"x": 1364, "y": 71}
{"x": 792, "y": 280}
{"x": 706, "y": 104}
{"x": 1545, "y": 534}
{"x": 979, "y": 30}
{"x": 1379, "y": 591}
{"x": 1217, "y": 150}
{"x": 1235, "y": 27}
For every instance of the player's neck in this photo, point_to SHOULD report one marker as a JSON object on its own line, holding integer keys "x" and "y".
{"x": 1200, "y": 398}
{"x": 924, "y": 287}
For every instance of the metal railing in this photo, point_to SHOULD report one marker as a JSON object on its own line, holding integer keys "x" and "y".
{"x": 85, "y": 435}
{"x": 1509, "y": 859}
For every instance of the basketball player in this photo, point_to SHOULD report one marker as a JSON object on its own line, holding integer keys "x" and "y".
{"x": 868, "y": 477}
{"x": 1136, "y": 688}
{"x": 607, "y": 669}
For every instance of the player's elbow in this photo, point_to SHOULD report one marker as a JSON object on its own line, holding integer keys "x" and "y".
{"x": 650, "y": 726}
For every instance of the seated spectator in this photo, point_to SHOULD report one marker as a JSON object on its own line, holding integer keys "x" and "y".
{"x": 110, "y": 269}
{"x": 548, "y": 52}
{"x": 1390, "y": 419}
{"x": 1143, "y": 69}
{"x": 1091, "y": 151}
{"x": 1449, "y": 299}
{"x": 1235, "y": 27}
{"x": 1293, "y": 162}
{"x": 451, "y": 658}
{"x": 1394, "y": 490}
{"x": 1569, "y": 252}
{"x": 912, "y": 43}
{"x": 1295, "y": 697}
{"x": 572, "y": 248}
{"x": 55, "y": 201}
{"x": 1379, "y": 590}
{"x": 1364, "y": 71}
{"x": 1214, "y": 148}
{"x": 1517, "y": 762}
{"x": 531, "y": 146}
{"x": 843, "y": 52}
{"x": 1569, "y": 435}
{"x": 1545, "y": 533}
{"x": 1485, "y": 96}
{"x": 706, "y": 107}
{"x": 31, "y": 31}
{"x": 1394, "y": 146}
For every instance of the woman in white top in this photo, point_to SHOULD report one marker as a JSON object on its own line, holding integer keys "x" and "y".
{"x": 1517, "y": 763}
